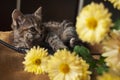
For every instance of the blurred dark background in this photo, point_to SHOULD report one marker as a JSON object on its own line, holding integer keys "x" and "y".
{"x": 6, "y": 8}
{"x": 57, "y": 10}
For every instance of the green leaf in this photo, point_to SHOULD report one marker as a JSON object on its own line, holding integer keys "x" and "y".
{"x": 82, "y": 51}
{"x": 100, "y": 70}
{"x": 101, "y": 66}
{"x": 101, "y": 60}
{"x": 85, "y": 54}
{"x": 116, "y": 25}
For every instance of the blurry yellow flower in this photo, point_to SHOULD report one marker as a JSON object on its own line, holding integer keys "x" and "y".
{"x": 93, "y": 23}
{"x": 116, "y": 3}
{"x": 36, "y": 60}
{"x": 111, "y": 48}
{"x": 108, "y": 76}
{"x": 65, "y": 65}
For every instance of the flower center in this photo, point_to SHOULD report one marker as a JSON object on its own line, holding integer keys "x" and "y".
{"x": 64, "y": 68}
{"x": 37, "y": 61}
{"x": 91, "y": 23}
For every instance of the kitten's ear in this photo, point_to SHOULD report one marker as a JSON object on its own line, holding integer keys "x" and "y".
{"x": 16, "y": 15}
{"x": 38, "y": 13}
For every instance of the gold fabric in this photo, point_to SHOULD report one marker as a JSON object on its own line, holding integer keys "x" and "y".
{"x": 11, "y": 67}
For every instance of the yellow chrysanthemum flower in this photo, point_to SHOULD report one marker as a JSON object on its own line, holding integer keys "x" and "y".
{"x": 36, "y": 60}
{"x": 116, "y": 3}
{"x": 109, "y": 76}
{"x": 93, "y": 23}
{"x": 65, "y": 65}
{"x": 111, "y": 48}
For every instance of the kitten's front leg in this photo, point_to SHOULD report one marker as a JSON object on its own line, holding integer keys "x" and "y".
{"x": 55, "y": 42}
{"x": 69, "y": 35}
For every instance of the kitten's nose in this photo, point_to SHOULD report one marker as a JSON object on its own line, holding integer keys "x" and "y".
{"x": 38, "y": 36}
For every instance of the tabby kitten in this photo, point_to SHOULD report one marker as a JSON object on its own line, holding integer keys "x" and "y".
{"x": 29, "y": 31}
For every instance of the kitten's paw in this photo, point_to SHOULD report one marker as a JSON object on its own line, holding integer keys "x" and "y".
{"x": 72, "y": 42}
{"x": 60, "y": 47}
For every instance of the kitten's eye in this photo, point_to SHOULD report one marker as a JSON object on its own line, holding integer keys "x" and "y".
{"x": 32, "y": 29}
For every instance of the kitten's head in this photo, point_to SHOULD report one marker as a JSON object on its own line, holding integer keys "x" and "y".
{"x": 27, "y": 27}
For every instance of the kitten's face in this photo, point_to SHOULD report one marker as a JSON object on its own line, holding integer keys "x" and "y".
{"x": 28, "y": 27}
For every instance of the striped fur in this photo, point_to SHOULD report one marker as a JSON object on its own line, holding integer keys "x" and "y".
{"x": 29, "y": 30}
{"x": 60, "y": 34}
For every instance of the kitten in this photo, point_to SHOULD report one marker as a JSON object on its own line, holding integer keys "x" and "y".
{"x": 60, "y": 34}
{"x": 29, "y": 31}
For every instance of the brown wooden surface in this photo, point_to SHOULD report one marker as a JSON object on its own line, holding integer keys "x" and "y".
{"x": 11, "y": 67}
{"x": 96, "y": 49}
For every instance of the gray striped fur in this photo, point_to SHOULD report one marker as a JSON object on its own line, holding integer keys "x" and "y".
{"x": 29, "y": 31}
